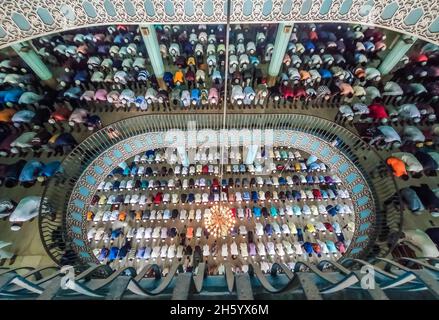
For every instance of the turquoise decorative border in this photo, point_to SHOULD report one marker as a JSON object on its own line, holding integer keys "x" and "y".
{"x": 23, "y": 20}
{"x": 85, "y": 188}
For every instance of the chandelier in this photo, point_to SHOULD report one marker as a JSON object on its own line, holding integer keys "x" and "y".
{"x": 219, "y": 221}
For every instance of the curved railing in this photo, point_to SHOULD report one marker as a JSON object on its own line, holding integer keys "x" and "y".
{"x": 384, "y": 279}
{"x": 388, "y": 221}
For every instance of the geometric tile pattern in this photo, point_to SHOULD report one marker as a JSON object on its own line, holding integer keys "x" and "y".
{"x": 23, "y": 20}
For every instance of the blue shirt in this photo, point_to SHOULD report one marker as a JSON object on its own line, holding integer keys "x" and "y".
{"x": 140, "y": 252}
{"x": 268, "y": 229}
{"x": 116, "y": 185}
{"x": 309, "y": 46}
{"x": 412, "y": 199}
{"x": 296, "y": 210}
{"x": 257, "y": 212}
{"x": 113, "y": 253}
{"x": 64, "y": 139}
{"x": 118, "y": 39}
{"x": 195, "y": 94}
{"x": 311, "y": 159}
{"x": 126, "y": 171}
{"x": 11, "y": 95}
{"x": 308, "y": 247}
{"x": 51, "y": 168}
{"x": 30, "y": 171}
{"x": 296, "y": 195}
{"x": 124, "y": 250}
{"x": 326, "y": 74}
{"x": 254, "y": 60}
{"x": 104, "y": 253}
{"x": 168, "y": 78}
{"x": 81, "y": 76}
{"x": 332, "y": 211}
{"x": 299, "y": 234}
{"x": 134, "y": 170}
{"x": 331, "y": 246}
{"x": 73, "y": 92}
{"x": 150, "y": 153}
{"x": 25, "y": 116}
{"x": 389, "y": 133}
{"x": 116, "y": 233}
{"x": 123, "y": 165}
{"x": 188, "y": 49}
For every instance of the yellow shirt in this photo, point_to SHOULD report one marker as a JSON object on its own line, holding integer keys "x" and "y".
{"x": 190, "y": 61}
{"x": 53, "y": 138}
{"x": 178, "y": 77}
{"x": 90, "y": 216}
{"x": 304, "y": 75}
{"x": 122, "y": 216}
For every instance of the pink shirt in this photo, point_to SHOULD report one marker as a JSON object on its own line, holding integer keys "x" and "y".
{"x": 101, "y": 95}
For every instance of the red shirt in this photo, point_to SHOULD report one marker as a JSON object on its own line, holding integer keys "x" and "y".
{"x": 287, "y": 92}
{"x": 377, "y": 111}
{"x": 190, "y": 75}
{"x": 158, "y": 198}
{"x": 300, "y": 92}
{"x": 61, "y": 114}
{"x": 313, "y": 35}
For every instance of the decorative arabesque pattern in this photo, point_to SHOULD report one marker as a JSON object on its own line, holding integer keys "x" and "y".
{"x": 23, "y": 19}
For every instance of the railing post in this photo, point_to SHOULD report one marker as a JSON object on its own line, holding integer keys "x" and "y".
{"x": 243, "y": 287}
{"x": 182, "y": 286}
{"x": 117, "y": 288}
{"x": 308, "y": 286}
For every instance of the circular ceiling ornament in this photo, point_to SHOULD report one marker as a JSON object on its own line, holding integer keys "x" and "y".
{"x": 220, "y": 221}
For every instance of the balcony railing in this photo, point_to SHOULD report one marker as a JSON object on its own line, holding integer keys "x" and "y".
{"x": 403, "y": 279}
{"x": 382, "y": 236}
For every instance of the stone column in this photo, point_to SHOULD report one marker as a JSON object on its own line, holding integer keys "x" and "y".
{"x": 26, "y": 52}
{"x": 183, "y": 155}
{"x": 394, "y": 56}
{"x": 152, "y": 46}
{"x": 252, "y": 150}
{"x": 280, "y": 47}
